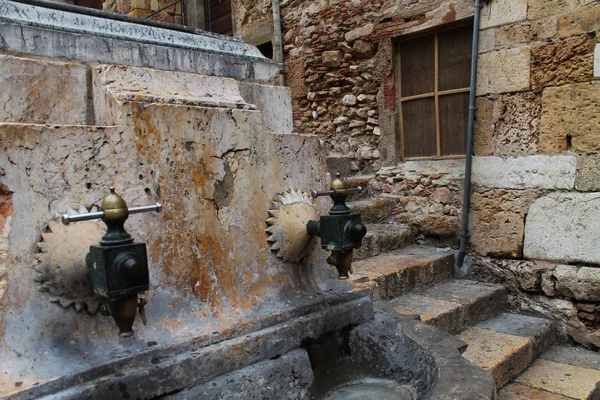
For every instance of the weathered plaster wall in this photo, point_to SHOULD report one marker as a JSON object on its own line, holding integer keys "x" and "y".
{"x": 535, "y": 201}
{"x": 192, "y": 142}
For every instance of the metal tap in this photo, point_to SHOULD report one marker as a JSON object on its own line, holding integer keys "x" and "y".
{"x": 119, "y": 266}
{"x": 340, "y": 231}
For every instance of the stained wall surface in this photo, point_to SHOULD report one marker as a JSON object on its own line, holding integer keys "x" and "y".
{"x": 191, "y": 142}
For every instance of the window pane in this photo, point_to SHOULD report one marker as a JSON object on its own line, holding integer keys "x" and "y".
{"x": 455, "y": 58}
{"x": 419, "y": 128}
{"x": 454, "y": 115}
{"x": 417, "y": 60}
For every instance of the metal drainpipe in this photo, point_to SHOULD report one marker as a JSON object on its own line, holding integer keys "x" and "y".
{"x": 278, "y": 41}
{"x": 464, "y": 234}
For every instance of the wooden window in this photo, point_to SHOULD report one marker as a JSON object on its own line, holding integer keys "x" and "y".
{"x": 217, "y": 14}
{"x": 433, "y": 87}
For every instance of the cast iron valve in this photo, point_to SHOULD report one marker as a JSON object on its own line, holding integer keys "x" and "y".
{"x": 119, "y": 266}
{"x": 340, "y": 231}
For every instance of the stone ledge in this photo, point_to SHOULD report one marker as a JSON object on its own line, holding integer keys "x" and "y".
{"x": 528, "y": 172}
{"x": 127, "y": 43}
{"x": 184, "y": 364}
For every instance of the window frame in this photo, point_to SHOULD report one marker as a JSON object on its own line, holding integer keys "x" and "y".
{"x": 436, "y": 94}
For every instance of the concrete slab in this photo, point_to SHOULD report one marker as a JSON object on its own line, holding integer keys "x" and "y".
{"x": 502, "y": 354}
{"x": 575, "y": 356}
{"x": 564, "y": 379}
{"x": 540, "y": 331}
{"x": 516, "y": 391}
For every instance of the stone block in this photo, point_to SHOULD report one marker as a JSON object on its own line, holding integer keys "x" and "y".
{"x": 570, "y": 118}
{"x": 359, "y": 32}
{"x": 331, "y": 58}
{"x": 597, "y": 62}
{"x": 504, "y": 71}
{"x": 588, "y": 173}
{"x": 497, "y": 221}
{"x": 505, "y": 355}
{"x": 439, "y": 225}
{"x": 581, "y": 283}
{"x": 516, "y": 124}
{"x": 503, "y": 12}
{"x": 584, "y": 20}
{"x": 349, "y": 100}
{"x": 484, "y": 127}
{"x": 274, "y": 104}
{"x": 567, "y": 380}
{"x": 373, "y": 210}
{"x": 382, "y": 238}
{"x": 526, "y": 32}
{"x": 531, "y": 172}
{"x": 537, "y": 9}
{"x": 562, "y": 62}
{"x": 363, "y": 49}
{"x": 518, "y": 391}
{"x": 294, "y": 78}
{"x": 41, "y": 91}
{"x": 141, "y": 4}
{"x": 486, "y": 40}
{"x": 564, "y": 227}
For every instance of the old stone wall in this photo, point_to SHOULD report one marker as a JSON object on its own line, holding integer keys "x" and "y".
{"x": 535, "y": 203}
{"x": 339, "y": 64}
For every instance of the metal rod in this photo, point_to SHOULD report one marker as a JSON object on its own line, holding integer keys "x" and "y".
{"x": 163, "y": 8}
{"x": 464, "y": 235}
{"x": 136, "y": 210}
{"x": 67, "y": 219}
{"x": 314, "y": 193}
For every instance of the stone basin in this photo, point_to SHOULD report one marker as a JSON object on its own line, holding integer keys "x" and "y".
{"x": 345, "y": 346}
{"x": 388, "y": 357}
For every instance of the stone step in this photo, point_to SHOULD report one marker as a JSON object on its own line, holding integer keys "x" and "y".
{"x": 453, "y": 305}
{"x": 362, "y": 181}
{"x": 506, "y": 344}
{"x": 374, "y": 210}
{"x": 560, "y": 373}
{"x": 400, "y": 271}
{"x": 382, "y": 238}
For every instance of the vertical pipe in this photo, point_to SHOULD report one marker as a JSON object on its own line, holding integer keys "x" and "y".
{"x": 464, "y": 234}
{"x": 277, "y": 40}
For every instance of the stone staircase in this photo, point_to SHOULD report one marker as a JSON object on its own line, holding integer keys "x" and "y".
{"x": 413, "y": 277}
{"x": 520, "y": 351}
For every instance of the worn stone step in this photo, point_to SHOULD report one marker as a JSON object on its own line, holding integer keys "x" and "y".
{"x": 453, "y": 305}
{"x": 400, "y": 271}
{"x": 506, "y": 344}
{"x": 381, "y": 238}
{"x": 374, "y": 210}
{"x": 362, "y": 181}
{"x": 560, "y": 373}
